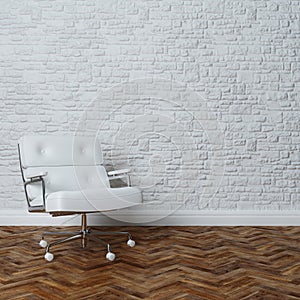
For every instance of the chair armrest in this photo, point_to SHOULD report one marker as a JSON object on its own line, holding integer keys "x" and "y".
{"x": 34, "y": 178}
{"x": 36, "y": 175}
{"x": 118, "y": 172}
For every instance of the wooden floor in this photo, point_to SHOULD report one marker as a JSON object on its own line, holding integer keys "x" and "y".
{"x": 167, "y": 263}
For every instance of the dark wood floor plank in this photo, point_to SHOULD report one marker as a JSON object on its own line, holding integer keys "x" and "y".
{"x": 167, "y": 263}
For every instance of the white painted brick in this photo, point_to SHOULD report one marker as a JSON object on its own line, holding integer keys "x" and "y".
{"x": 240, "y": 56}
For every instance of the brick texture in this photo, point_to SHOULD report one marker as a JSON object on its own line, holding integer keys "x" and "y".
{"x": 199, "y": 98}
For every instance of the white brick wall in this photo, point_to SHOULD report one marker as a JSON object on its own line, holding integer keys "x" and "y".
{"x": 201, "y": 98}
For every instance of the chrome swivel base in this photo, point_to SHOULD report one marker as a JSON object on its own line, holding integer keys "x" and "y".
{"x": 83, "y": 234}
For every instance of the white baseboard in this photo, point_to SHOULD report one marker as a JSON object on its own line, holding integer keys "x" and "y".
{"x": 160, "y": 218}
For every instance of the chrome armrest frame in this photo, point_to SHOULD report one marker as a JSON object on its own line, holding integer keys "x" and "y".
{"x": 34, "y": 179}
{"x": 28, "y": 182}
{"x": 120, "y": 174}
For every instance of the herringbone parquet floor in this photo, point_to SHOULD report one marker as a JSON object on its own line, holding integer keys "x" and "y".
{"x": 167, "y": 263}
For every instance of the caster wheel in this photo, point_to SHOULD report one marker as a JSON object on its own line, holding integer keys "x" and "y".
{"x": 49, "y": 256}
{"x": 131, "y": 243}
{"x": 43, "y": 243}
{"x": 110, "y": 256}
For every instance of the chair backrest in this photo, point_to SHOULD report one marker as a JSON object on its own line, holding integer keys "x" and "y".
{"x": 72, "y": 162}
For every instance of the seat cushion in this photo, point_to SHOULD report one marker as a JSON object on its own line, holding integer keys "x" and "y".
{"x": 92, "y": 200}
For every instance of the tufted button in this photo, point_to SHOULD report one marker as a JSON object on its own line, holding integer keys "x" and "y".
{"x": 43, "y": 151}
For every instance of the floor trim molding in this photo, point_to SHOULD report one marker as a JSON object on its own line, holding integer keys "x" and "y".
{"x": 160, "y": 218}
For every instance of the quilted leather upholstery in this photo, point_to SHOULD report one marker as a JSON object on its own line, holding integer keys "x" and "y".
{"x": 76, "y": 179}
{"x": 39, "y": 151}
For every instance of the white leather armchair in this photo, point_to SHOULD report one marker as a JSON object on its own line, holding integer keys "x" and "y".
{"x": 65, "y": 175}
